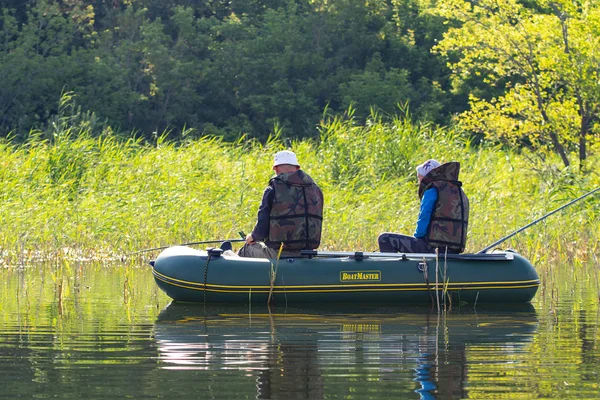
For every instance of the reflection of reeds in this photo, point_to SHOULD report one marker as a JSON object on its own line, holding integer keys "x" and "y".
{"x": 596, "y": 273}
{"x": 59, "y": 297}
{"x": 126, "y": 290}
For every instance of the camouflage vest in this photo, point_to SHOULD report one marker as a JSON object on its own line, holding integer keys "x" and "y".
{"x": 450, "y": 218}
{"x": 296, "y": 217}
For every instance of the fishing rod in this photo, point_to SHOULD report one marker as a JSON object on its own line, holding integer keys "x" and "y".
{"x": 536, "y": 221}
{"x": 192, "y": 243}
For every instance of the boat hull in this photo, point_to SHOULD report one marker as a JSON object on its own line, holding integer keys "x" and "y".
{"x": 190, "y": 275}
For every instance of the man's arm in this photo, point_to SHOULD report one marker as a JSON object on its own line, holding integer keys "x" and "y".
{"x": 427, "y": 204}
{"x": 261, "y": 229}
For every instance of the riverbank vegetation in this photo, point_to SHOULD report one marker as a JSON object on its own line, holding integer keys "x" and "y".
{"x": 76, "y": 195}
{"x": 238, "y": 68}
{"x": 169, "y": 115}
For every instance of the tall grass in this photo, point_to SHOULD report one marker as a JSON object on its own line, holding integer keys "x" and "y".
{"x": 98, "y": 197}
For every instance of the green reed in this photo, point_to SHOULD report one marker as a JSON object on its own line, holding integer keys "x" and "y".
{"x": 83, "y": 197}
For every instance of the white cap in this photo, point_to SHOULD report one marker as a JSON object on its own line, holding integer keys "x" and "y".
{"x": 285, "y": 157}
{"x": 427, "y": 166}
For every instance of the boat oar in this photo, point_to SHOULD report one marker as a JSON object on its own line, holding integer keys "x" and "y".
{"x": 536, "y": 221}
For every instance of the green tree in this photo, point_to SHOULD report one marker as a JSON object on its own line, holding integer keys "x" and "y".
{"x": 545, "y": 61}
{"x": 36, "y": 59}
{"x": 219, "y": 66}
{"x": 377, "y": 88}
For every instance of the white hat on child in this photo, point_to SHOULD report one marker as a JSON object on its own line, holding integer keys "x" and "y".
{"x": 427, "y": 166}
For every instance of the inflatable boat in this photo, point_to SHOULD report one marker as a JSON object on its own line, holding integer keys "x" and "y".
{"x": 190, "y": 275}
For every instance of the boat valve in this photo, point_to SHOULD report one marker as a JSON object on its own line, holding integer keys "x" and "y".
{"x": 214, "y": 252}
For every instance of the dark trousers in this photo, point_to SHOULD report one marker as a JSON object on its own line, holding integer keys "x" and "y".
{"x": 396, "y": 243}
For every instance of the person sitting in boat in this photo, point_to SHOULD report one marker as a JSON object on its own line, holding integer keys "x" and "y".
{"x": 443, "y": 215}
{"x": 291, "y": 212}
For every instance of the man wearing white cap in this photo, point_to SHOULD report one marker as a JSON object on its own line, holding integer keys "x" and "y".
{"x": 443, "y": 215}
{"x": 290, "y": 214}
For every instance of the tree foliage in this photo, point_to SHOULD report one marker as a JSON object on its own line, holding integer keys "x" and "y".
{"x": 542, "y": 55}
{"x": 224, "y": 68}
{"x": 522, "y": 72}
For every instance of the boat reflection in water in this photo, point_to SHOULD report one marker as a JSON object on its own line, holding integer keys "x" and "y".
{"x": 337, "y": 352}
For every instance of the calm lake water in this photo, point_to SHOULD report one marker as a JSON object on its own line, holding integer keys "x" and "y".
{"x": 84, "y": 331}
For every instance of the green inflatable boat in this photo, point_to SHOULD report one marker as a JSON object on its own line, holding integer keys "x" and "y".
{"x": 189, "y": 275}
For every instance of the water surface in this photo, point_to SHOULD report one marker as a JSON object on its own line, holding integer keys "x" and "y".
{"x": 106, "y": 332}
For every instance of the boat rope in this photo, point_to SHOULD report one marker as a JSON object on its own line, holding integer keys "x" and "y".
{"x": 274, "y": 273}
{"x": 284, "y": 292}
{"x": 206, "y": 273}
{"x": 446, "y": 280}
{"x": 437, "y": 292}
{"x": 426, "y": 278}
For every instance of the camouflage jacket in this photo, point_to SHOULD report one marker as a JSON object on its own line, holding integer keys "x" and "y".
{"x": 450, "y": 218}
{"x": 296, "y": 216}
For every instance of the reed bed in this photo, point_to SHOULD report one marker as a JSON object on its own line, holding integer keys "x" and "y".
{"x": 98, "y": 198}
